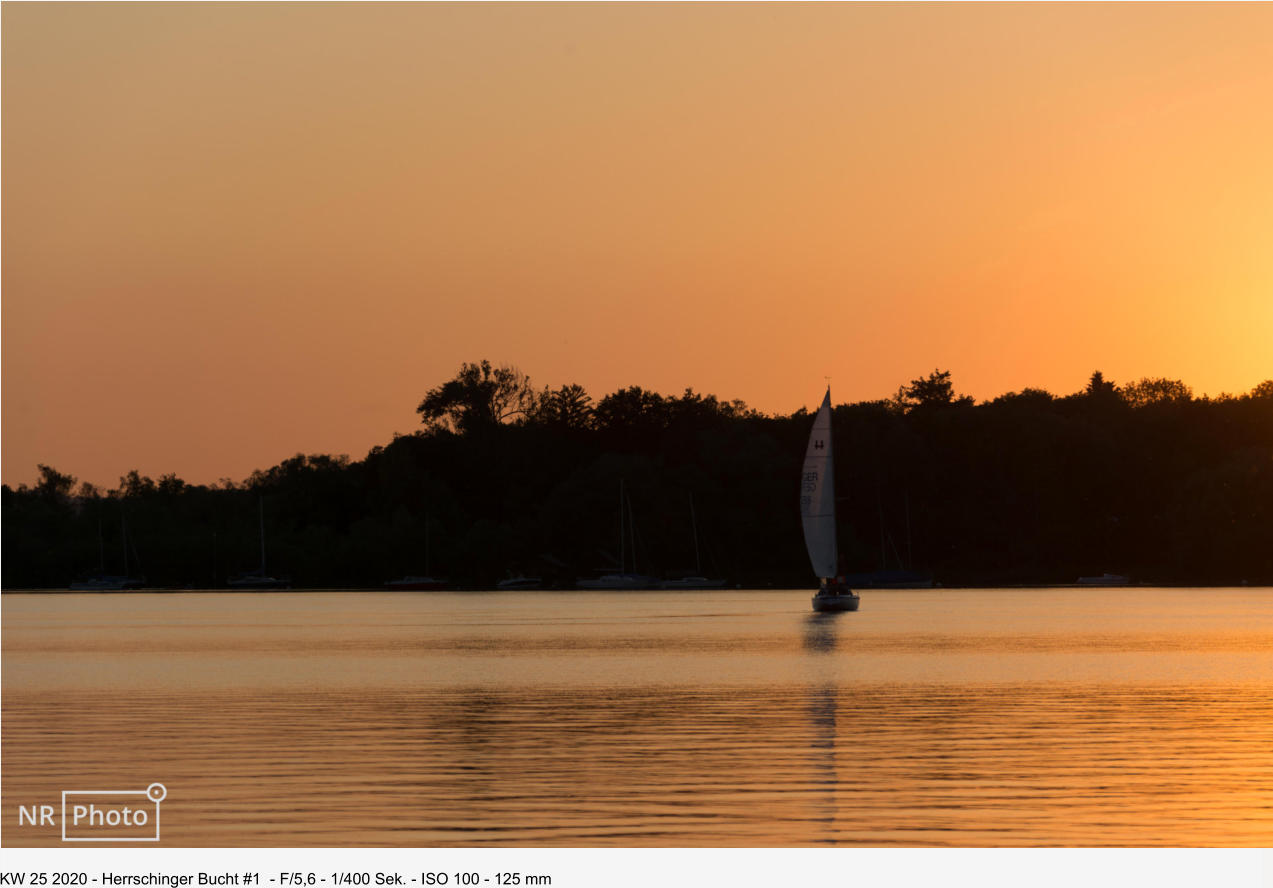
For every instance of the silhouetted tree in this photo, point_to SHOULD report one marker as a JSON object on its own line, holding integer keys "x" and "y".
{"x": 568, "y": 407}
{"x": 478, "y": 397}
{"x": 53, "y": 485}
{"x": 1099, "y": 386}
{"x": 934, "y": 391}
{"x": 1033, "y": 396}
{"x": 135, "y": 484}
{"x": 1156, "y": 391}
{"x": 171, "y": 485}
{"x": 635, "y": 414}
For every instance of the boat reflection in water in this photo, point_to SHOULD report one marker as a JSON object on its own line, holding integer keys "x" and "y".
{"x": 820, "y": 640}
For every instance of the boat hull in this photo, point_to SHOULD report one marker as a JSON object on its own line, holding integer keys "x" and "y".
{"x": 846, "y": 601}
{"x": 520, "y": 583}
{"x": 692, "y": 583}
{"x": 618, "y": 581}
{"x": 108, "y": 584}
{"x": 1105, "y": 580}
{"x": 258, "y": 582}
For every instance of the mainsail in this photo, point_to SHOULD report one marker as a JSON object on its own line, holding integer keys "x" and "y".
{"x": 817, "y": 495}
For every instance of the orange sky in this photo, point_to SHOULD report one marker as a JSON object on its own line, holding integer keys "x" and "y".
{"x": 234, "y": 232}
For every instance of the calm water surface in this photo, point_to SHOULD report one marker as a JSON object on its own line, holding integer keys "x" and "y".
{"x": 935, "y": 717}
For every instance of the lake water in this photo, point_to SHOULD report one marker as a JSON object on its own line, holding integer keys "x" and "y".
{"x": 1130, "y": 717}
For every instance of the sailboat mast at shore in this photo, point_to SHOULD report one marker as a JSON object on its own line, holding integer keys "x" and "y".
{"x": 261, "y": 504}
{"x": 102, "y": 581}
{"x": 259, "y": 578}
{"x": 416, "y": 583}
{"x": 697, "y": 581}
{"x": 627, "y": 533}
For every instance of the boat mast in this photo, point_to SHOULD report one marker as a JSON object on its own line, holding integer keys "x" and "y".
{"x": 261, "y": 501}
{"x": 698, "y": 562}
{"x": 910, "y": 552}
{"x": 879, "y": 508}
{"x": 632, "y": 535}
{"x": 621, "y": 552}
{"x": 835, "y": 527}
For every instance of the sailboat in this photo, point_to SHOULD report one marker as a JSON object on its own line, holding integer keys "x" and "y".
{"x": 259, "y": 579}
{"x": 621, "y": 580}
{"x": 697, "y": 581}
{"x": 817, "y": 513}
{"x": 415, "y": 583}
{"x": 104, "y": 582}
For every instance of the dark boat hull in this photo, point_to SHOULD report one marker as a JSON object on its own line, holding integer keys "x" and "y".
{"x": 833, "y": 599}
{"x": 834, "y": 603}
{"x": 258, "y": 582}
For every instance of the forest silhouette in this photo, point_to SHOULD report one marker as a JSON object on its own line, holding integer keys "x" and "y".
{"x": 1141, "y": 479}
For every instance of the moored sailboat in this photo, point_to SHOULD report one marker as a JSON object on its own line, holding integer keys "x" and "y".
{"x": 416, "y": 584}
{"x": 259, "y": 579}
{"x": 521, "y": 581}
{"x": 104, "y": 582}
{"x": 621, "y": 580}
{"x": 425, "y": 583}
{"x": 817, "y": 513}
{"x": 697, "y": 581}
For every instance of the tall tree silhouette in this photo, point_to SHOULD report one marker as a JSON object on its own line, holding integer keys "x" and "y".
{"x": 935, "y": 390}
{"x": 568, "y": 407}
{"x": 1156, "y": 391}
{"x": 478, "y": 397}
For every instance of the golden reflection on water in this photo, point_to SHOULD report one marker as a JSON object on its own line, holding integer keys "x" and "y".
{"x": 968, "y": 717}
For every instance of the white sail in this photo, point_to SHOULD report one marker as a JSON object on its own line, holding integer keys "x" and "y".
{"x": 817, "y": 495}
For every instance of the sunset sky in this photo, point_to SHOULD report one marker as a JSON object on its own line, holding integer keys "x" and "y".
{"x": 235, "y": 232}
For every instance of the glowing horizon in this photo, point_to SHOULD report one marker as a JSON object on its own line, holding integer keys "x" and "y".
{"x": 237, "y": 232}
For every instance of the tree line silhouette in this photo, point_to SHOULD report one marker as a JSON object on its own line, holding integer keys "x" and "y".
{"x": 1141, "y": 479}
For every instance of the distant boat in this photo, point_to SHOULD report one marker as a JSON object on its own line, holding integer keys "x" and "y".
{"x": 520, "y": 582}
{"x": 817, "y": 513}
{"x": 104, "y": 582}
{"x": 259, "y": 578}
{"x": 1107, "y": 579}
{"x": 416, "y": 584}
{"x": 622, "y": 579}
{"x": 694, "y": 582}
{"x": 619, "y": 581}
{"x": 424, "y": 583}
{"x": 107, "y": 583}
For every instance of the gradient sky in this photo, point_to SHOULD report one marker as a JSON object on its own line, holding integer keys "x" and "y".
{"x": 235, "y": 232}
